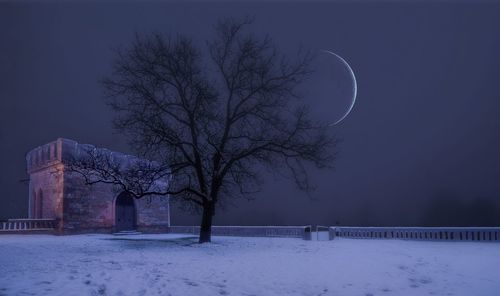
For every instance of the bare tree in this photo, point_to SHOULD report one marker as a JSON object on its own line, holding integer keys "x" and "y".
{"x": 211, "y": 122}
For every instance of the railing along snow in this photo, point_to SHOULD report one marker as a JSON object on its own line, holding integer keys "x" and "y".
{"x": 27, "y": 224}
{"x": 419, "y": 233}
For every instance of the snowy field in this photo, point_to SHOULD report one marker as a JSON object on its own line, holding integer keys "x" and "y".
{"x": 177, "y": 265}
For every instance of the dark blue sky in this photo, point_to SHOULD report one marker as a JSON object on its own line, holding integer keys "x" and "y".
{"x": 421, "y": 146}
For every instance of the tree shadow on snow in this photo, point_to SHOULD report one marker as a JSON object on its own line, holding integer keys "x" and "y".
{"x": 152, "y": 243}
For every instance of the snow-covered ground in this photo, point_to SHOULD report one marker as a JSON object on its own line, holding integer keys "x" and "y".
{"x": 177, "y": 265}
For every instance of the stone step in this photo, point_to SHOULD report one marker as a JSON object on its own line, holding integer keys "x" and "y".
{"x": 127, "y": 232}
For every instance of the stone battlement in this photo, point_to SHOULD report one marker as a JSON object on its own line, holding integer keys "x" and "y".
{"x": 45, "y": 155}
{"x": 63, "y": 150}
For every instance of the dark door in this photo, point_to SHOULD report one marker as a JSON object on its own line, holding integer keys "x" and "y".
{"x": 124, "y": 212}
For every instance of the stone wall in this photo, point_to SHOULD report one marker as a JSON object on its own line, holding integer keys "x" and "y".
{"x": 153, "y": 212}
{"x": 87, "y": 206}
{"x": 252, "y": 231}
{"x": 46, "y": 181}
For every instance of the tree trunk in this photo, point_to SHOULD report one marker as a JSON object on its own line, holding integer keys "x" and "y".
{"x": 206, "y": 223}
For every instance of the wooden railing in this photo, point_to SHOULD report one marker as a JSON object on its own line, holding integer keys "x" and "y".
{"x": 13, "y": 225}
{"x": 419, "y": 233}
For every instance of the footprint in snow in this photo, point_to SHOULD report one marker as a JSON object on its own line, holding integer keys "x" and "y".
{"x": 101, "y": 290}
{"x": 219, "y": 285}
{"x": 425, "y": 280}
{"x": 44, "y": 283}
{"x": 190, "y": 283}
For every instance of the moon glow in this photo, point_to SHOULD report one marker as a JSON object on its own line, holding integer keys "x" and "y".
{"x": 354, "y": 86}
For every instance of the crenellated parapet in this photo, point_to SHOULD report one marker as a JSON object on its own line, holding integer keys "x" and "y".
{"x": 65, "y": 150}
{"x": 44, "y": 156}
{"x": 55, "y": 152}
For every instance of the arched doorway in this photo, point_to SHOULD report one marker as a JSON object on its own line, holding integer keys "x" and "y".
{"x": 124, "y": 212}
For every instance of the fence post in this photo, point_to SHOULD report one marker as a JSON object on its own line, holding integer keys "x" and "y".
{"x": 307, "y": 233}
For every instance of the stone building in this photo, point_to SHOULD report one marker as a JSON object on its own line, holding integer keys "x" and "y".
{"x": 62, "y": 195}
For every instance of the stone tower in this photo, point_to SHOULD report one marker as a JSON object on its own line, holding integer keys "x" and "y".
{"x": 62, "y": 195}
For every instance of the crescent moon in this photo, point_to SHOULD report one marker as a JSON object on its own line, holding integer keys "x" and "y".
{"x": 354, "y": 86}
